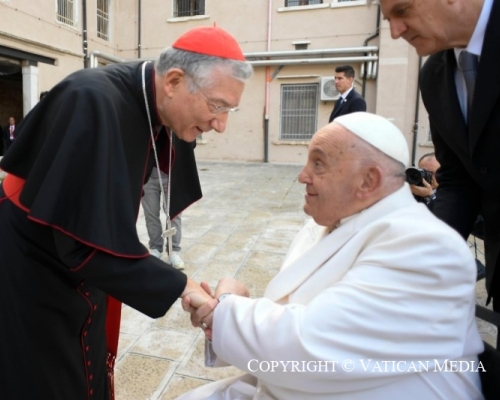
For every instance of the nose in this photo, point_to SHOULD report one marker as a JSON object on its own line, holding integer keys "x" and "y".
{"x": 397, "y": 28}
{"x": 304, "y": 176}
{"x": 219, "y": 121}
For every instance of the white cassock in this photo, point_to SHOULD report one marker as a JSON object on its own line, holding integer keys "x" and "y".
{"x": 387, "y": 298}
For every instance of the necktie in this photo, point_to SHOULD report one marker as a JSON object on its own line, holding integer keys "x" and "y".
{"x": 468, "y": 64}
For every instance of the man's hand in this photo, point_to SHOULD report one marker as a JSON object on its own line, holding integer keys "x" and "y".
{"x": 201, "y": 316}
{"x": 194, "y": 295}
{"x": 422, "y": 191}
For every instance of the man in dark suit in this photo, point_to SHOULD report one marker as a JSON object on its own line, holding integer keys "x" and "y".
{"x": 464, "y": 113}
{"x": 9, "y": 133}
{"x": 1, "y": 146}
{"x": 349, "y": 101}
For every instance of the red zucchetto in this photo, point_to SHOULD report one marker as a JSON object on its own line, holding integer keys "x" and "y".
{"x": 211, "y": 41}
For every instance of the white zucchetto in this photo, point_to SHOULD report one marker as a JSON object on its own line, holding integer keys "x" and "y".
{"x": 379, "y": 132}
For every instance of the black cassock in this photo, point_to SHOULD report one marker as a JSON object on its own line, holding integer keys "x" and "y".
{"x": 84, "y": 153}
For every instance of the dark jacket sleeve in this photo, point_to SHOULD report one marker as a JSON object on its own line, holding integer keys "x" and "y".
{"x": 146, "y": 284}
{"x": 456, "y": 202}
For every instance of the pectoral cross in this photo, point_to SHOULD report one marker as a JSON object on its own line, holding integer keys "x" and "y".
{"x": 168, "y": 234}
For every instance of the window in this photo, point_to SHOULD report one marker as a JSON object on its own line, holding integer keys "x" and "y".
{"x": 293, "y": 3}
{"x": 66, "y": 12}
{"x": 103, "y": 19}
{"x": 299, "y": 111}
{"x": 429, "y": 136}
{"x": 188, "y": 8}
{"x": 354, "y": 2}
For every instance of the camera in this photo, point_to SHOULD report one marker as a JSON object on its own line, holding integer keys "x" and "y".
{"x": 416, "y": 176}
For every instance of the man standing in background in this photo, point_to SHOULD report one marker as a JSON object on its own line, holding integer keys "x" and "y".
{"x": 349, "y": 101}
{"x": 151, "y": 204}
{"x": 9, "y": 133}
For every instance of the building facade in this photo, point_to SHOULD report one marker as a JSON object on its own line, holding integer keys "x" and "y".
{"x": 294, "y": 46}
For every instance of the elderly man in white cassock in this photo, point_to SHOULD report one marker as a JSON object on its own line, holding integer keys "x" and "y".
{"x": 375, "y": 299}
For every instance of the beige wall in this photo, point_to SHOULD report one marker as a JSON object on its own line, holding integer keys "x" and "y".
{"x": 32, "y": 27}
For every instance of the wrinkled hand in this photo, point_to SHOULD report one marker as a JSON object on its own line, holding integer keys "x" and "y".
{"x": 422, "y": 191}
{"x": 229, "y": 285}
{"x": 201, "y": 313}
{"x": 204, "y": 313}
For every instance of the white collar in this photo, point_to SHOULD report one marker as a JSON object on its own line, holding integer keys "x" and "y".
{"x": 346, "y": 93}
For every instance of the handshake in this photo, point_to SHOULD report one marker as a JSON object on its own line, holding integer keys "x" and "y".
{"x": 199, "y": 301}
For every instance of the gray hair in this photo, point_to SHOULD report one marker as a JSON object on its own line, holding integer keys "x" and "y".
{"x": 199, "y": 67}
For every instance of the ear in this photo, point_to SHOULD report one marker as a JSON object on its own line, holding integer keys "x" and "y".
{"x": 171, "y": 81}
{"x": 371, "y": 181}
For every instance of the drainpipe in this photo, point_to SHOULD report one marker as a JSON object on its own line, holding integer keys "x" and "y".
{"x": 84, "y": 34}
{"x": 268, "y": 84}
{"x": 417, "y": 110}
{"x": 139, "y": 29}
{"x": 368, "y": 65}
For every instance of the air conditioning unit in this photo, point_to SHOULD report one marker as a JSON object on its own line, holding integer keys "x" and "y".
{"x": 328, "y": 91}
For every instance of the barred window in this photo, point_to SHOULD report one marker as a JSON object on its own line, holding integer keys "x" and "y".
{"x": 66, "y": 12}
{"x": 299, "y": 111}
{"x": 293, "y": 3}
{"x": 342, "y": 1}
{"x": 103, "y": 19}
{"x": 188, "y": 8}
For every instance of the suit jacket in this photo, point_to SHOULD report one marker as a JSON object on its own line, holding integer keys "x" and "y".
{"x": 390, "y": 283}
{"x": 469, "y": 177}
{"x": 6, "y": 136}
{"x": 353, "y": 102}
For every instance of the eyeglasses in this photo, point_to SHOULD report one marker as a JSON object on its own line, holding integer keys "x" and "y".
{"x": 214, "y": 108}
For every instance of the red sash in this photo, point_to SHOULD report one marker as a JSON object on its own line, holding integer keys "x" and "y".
{"x": 13, "y": 186}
